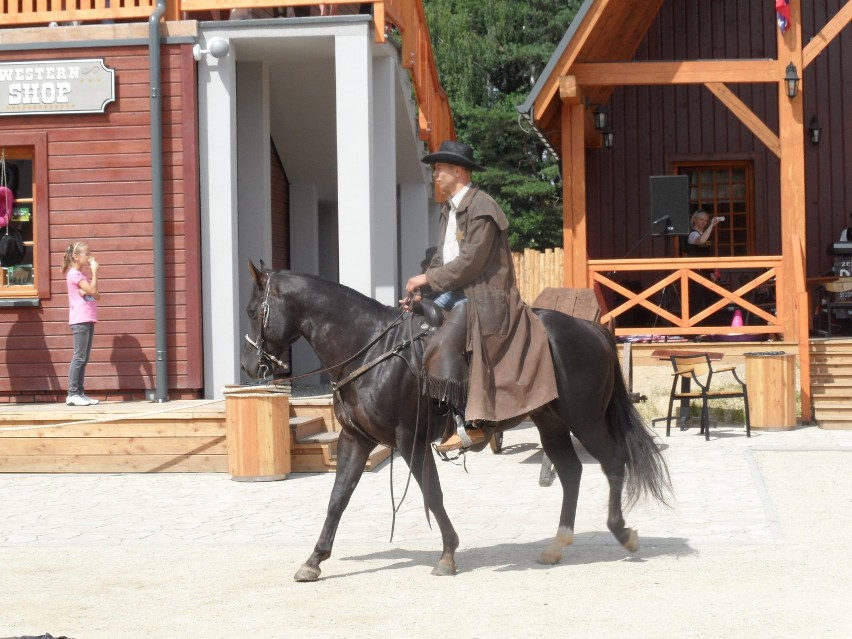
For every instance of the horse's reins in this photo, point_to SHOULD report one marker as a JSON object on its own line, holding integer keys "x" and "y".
{"x": 263, "y": 354}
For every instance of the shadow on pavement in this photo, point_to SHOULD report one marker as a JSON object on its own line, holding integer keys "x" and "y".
{"x": 588, "y": 548}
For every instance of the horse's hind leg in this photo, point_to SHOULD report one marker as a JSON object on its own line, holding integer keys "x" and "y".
{"x": 627, "y": 537}
{"x": 352, "y": 454}
{"x": 557, "y": 444}
{"x": 612, "y": 460}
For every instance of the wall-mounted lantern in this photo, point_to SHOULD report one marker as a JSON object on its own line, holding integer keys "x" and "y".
{"x": 600, "y": 116}
{"x": 791, "y": 79}
{"x": 815, "y": 130}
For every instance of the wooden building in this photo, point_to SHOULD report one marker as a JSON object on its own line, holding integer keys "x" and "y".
{"x": 189, "y": 144}
{"x": 717, "y": 92}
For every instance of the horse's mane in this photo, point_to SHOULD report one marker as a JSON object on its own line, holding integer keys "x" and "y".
{"x": 348, "y": 297}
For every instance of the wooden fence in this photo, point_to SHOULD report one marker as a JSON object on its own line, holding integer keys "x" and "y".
{"x": 537, "y": 270}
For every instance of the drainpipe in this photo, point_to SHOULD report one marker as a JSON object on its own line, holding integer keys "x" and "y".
{"x": 162, "y": 391}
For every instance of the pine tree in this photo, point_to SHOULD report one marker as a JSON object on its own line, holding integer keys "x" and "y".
{"x": 489, "y": 55}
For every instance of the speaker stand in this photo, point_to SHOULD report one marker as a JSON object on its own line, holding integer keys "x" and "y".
{"x": 665, "y": 293}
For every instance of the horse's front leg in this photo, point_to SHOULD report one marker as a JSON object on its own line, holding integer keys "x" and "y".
{"x": 352, "y": 454}
{"x": 420, "y": 460}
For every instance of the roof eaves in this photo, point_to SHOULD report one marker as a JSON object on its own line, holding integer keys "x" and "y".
{"x": 526, "y": 108}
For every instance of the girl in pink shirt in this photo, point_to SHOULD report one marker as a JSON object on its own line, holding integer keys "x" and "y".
{"x": 82, "y": 316}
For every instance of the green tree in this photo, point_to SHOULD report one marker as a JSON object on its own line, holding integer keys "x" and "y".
{"x": 489, "y": 55}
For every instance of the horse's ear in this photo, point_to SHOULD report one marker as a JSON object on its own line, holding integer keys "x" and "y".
{"x": 258, "y": 276}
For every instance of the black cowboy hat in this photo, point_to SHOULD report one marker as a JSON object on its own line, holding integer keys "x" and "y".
{"x": 454, "y": 152}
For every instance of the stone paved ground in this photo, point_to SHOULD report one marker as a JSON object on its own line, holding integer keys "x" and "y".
{"x": 756, "y": 544}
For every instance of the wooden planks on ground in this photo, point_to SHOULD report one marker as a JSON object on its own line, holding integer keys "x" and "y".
{"x": 122, "y": 437}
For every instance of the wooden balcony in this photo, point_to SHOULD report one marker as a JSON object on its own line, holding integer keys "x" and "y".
{"x": 404, "y": 21}
{"x": 750, "y": 284}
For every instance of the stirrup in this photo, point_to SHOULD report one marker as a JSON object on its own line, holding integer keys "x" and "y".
{"x": 461, "y": 431}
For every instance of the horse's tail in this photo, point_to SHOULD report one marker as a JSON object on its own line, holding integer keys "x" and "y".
{"x": 647, "y": 473}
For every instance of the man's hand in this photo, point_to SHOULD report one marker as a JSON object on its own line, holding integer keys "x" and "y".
{"x": 412, "y": 287}
{"x": 415, "y": 283}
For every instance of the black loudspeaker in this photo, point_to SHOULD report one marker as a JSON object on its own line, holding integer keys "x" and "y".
{"x": 669, "y": 205}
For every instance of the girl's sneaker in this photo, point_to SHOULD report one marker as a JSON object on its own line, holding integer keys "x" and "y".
{"x": 77, "y": 400}
{"x": 91, "y": 401}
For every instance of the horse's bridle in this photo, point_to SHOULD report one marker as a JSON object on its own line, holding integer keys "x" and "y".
{"x": 268, "y": 361}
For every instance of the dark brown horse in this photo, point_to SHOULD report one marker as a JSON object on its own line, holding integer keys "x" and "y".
{"x": 383, "y": 404}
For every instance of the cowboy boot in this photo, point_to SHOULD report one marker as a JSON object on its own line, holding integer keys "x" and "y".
{"x": 468, "y": 436}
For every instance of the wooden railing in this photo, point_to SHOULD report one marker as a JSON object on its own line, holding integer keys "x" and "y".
{"x": 764, "y": 273}
{"x": 42, "y": 12}
{"x": 405, "y": 17}
{"x": 435, "y": 119}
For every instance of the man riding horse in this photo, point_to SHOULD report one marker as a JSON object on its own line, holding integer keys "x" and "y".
{"x": 490, "y": 360}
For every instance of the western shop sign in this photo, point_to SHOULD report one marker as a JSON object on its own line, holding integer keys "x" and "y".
{"x": 60, "y": 86}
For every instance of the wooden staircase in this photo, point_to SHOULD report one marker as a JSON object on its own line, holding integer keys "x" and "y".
{"x": 313, "y": 437}
{"x": 831, "y": 382}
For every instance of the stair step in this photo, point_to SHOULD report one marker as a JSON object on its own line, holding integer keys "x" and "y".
{"x": 833, "y": 403}
{"x": 324, "y": 437}
{"x": 828, "y": 379}
{"x": 313, "y": 457}
{"x": 845, "y": 424}
{"x": 302, "y": 426}
{"x": 840, "y": 388}
{"x": 831, "y": 383}
{"x": 379, "y": 454}
{"x": 831, "y": 360}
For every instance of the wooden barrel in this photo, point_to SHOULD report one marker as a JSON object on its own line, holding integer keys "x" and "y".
{"x": 258, "y": 437}
{"x": 771, "y": 379}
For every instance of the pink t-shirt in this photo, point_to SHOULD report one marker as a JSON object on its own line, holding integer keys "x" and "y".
{"x": 81, "y": 308}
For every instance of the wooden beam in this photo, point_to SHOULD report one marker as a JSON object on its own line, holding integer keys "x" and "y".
{"x": 576, "y": 260}
{"x": 545, "y": 101}
{"x": 827, "y": 34}
{"x": 803, "y": 337}
{"x": 569, "y": 90}
{"x": 792, "y": 185}
{"x": 570, "y": 93}
{"x": 682, "y": 72}
{"x": 746, "y": 116}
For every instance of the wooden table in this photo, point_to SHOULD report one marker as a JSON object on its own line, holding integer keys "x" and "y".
{"x": 667, "y": 354}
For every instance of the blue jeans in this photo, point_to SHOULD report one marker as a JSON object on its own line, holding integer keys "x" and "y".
{"x": 83, "y": 336}
{"x": 449, "y": 299}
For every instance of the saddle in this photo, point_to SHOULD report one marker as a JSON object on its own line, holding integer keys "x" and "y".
{"x": 431, "y": 313}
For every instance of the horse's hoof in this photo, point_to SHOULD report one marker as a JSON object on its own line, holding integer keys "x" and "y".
{"x": 550, "y": 557}
{"x": 444, "y": 569}
{"x": 307, "y": 573}
{"x": 632, "y": 542}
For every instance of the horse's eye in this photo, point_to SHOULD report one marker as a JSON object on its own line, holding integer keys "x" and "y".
{"x": 252, "y": 314}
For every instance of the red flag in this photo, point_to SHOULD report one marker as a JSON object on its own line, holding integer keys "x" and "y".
{"x": 782, "y": 9}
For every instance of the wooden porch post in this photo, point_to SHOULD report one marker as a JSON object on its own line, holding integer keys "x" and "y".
{"x": 792, "y": 182}
{"x": 576, "y": 258}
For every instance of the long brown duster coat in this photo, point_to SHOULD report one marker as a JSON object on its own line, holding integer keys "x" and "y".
{"x": 511, "y": 371}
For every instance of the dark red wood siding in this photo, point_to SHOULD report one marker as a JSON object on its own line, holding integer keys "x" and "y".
{"x": 280, "y": 213}
{"x": 655, "y": 127}
{"x": 99, "y": 183}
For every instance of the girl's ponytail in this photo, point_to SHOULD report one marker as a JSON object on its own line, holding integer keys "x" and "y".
{"x": 68, "y": 257}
